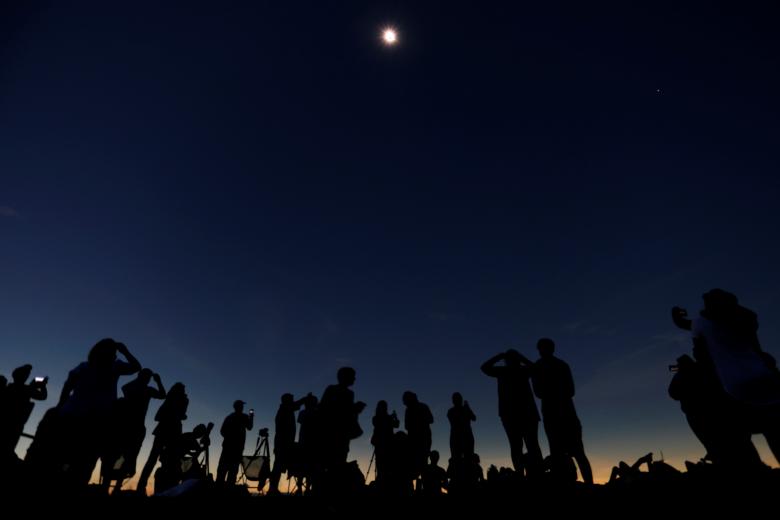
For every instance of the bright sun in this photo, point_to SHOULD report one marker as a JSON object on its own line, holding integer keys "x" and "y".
{"x": 390, "y": 36}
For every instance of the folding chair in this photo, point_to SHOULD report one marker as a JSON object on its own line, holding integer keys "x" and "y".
{"x": 257, "y": 467}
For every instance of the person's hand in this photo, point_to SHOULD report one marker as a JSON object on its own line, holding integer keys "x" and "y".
{"x": 679, "y": 313}
{"x": 156, "y": 377}
{"x": 121, "y": 348}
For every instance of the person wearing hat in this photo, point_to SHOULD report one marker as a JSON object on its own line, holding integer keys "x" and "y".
{"x": 234, "y": 436}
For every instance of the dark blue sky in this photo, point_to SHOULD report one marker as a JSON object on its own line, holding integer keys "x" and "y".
{"x": 251, "y": 195}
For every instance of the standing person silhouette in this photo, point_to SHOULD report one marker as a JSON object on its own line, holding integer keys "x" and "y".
{"x": 16, "y": 407}
{"x": 131, "y": 422}
{"x": 339, "y": 418}
{"x": 461, "y": 435}
{"x": 233, "y": 432}
{"x": 517, "y": 408}
{"x": 417, "y": 421}
{"x": 284, "y": 439}
{"x": 86, "y": 406}
{"x": 169, "y": 418}
{"x": 554, "y": 385}
{"x": 382, "y": 439}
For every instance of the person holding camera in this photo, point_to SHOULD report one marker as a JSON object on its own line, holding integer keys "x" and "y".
{"x": 233, "y": 432}
{"x": 17, "y": 405}
{"x": 461, "y": 435}
{"x": 382, "y": 439}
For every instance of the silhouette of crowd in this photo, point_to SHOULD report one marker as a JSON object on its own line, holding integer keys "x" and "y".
{"x": 728, "y": 389}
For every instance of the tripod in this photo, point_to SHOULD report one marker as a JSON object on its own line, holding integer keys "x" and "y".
{"x": 257, "y": 467}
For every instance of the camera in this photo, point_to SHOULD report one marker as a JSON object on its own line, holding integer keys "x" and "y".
{"x": 41, "y": 380}
{"x": 263, "y": 432}
{"x": 674, "y": 368}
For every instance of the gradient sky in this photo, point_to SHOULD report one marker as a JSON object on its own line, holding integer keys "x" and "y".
{"x": 251, "y": 195}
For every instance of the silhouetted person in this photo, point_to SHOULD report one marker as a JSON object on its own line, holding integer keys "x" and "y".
{"x": 628, "y": 474}
{"x": 87, "y": 403}
{"x": 382, "y": 439}
{"x": 743, "y": 379}
{"x": 339, "y": 415}
{"x": 185, "y": 446}
{"x": 712, "y": 414}
{"x": 400, "y": 468}
{"x": 16, "y": 407}
{"x": 131, "y": 421}
{"x": 554, "y": 385}
{"x": 417, "y": 421}
{"x": 461, "y": 436}
{"x": 465, "y": 475}
{"x": 233, "y": 432}
{"x": 284, "y": 439}
{"x": 308, "y": 439}
{"x": 434, "y": 477}
{"x": 517, "y": 408}
{"x": 169, "y": 418}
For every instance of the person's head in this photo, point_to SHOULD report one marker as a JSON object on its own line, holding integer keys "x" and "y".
{"x": 719, "y": 303}
{"x": 310, "y": 401}
{"x": 288, "y": 399}
{"x": 346, "y": 376}
{"x": 512, "y": 357}
{"x": 103, "y": 353}
{"x": 238, "y": 406}
{"x": 434, "y": 457}
{"x": 21, "y": 374}
{"x": 381, "y": 408}
{"x": 546, "y": 347}
{"x": 177, "y": 389}
{"x": 145, "y": 375}
{"x": 199, "y": 431}
{"x": 457, "y": 399}
{"x": 409, "y": 398}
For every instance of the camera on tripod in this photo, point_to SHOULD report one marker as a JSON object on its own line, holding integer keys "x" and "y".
{"x": 263, "y": 432}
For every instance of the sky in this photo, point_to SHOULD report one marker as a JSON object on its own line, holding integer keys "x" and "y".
{"x": 250, "y": 195}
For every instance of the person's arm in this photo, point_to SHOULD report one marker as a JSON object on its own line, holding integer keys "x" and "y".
{"x": 569, "y": 381}
{"x": 160, "y": 393}
{"x": 680, "y": 318}
{"x": 297, "y": 404}
{"x": 489, "y": 367}
{"x": 469, "y": 413}
{"x": 133, "y": 365}
{"x": 524, "y": 360}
